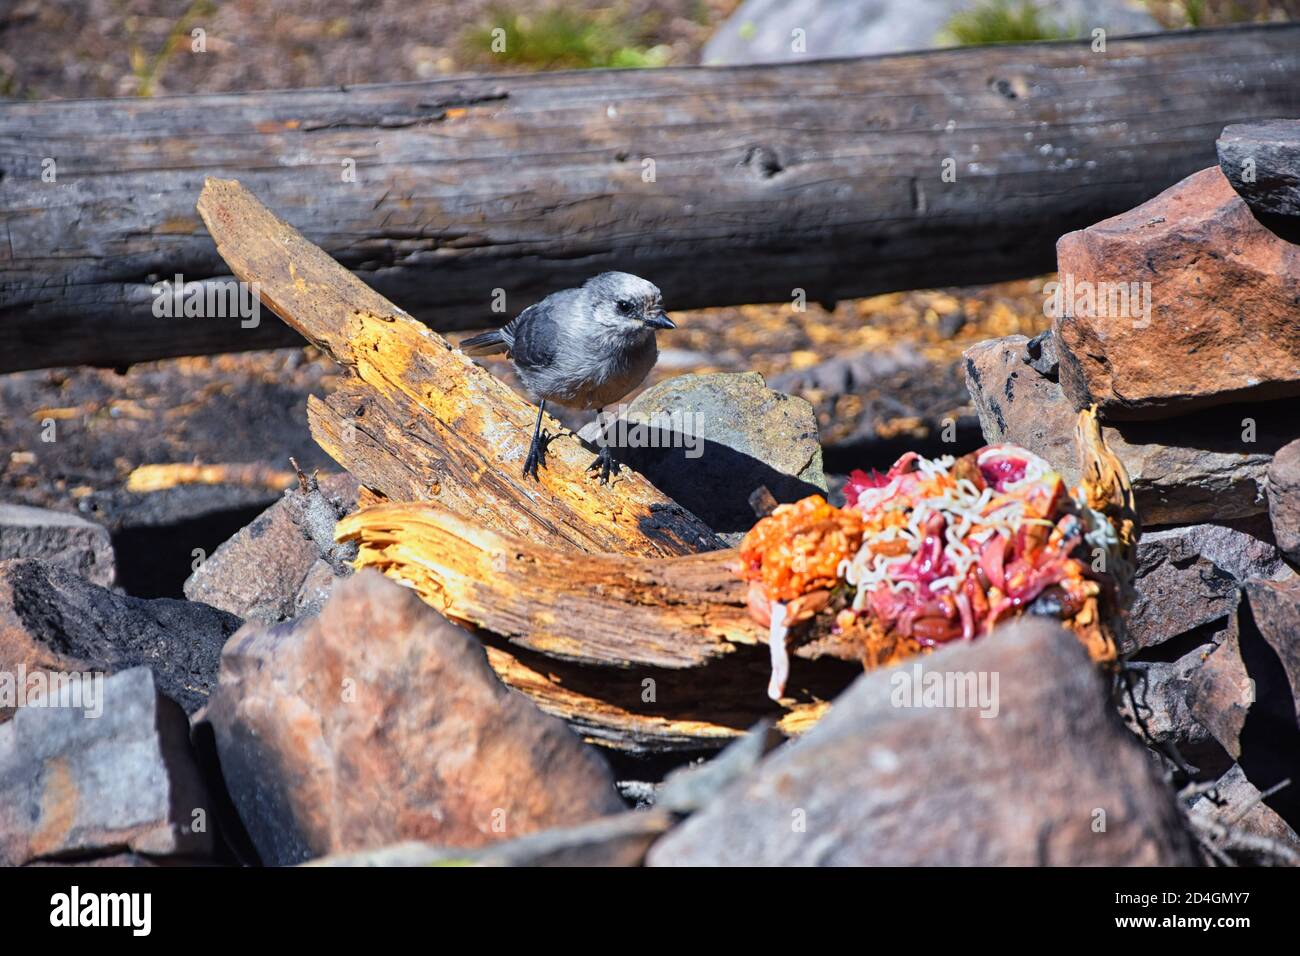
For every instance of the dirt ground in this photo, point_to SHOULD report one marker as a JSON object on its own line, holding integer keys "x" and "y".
{"x": 93, "y": 48}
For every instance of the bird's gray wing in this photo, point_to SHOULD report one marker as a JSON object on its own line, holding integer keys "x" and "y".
{"x": 535, "y": 334}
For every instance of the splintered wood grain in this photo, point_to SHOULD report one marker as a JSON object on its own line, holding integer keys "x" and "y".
{"x": 824, "y": 176}
{"x": 635, "y": 653}
{"x": 595, "y": 608}
{"x": 419, "y": 420}
{"x": 604, "y": 609}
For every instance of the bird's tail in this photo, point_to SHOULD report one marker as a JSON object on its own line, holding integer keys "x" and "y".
{"x": 487, "y": 343}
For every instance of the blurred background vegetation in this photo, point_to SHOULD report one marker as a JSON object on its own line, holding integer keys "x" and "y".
{"x": 86, "y": 48}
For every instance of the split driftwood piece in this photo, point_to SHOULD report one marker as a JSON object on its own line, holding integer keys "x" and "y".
{"x": 638, "y": 653}
{"x": 589, "y": 608}
{"x": 828, "y": 176}
{"x": 419, "y": 420}
{"x": 601, "y": 609}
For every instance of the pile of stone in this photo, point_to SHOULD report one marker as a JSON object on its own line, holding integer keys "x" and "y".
{"x": 296, "y": 712}
{"x": 291, "y": 711}
{"x": 1180, "y": 322}
{"x": 336, "y": 719}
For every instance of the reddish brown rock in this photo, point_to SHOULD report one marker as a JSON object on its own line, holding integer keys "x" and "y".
{"x": 1275, "y": 608}
{"x": 1198, "y": 468}
{"x": 1221, "y": 692}
{"x": 73, "y": 785}
{"x": 1224, "y": 317}
{"x": 1284, "y": 499}
{"x": 1046, "y": 775}
{"x": 53, "y": 619}
{"x": 378, "y": 722}
{"x": 257, "y": 574}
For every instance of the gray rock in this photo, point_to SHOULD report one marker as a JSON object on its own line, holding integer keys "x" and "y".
{"x": 1040, "y": 355}
{"x": 1195, "y": 468}
{"x": 1028, "y": 779}
{"x": 1156, "y": 707}
{"x": 53, "y": 619}
{"x": 1190, "y": 575}
{"x": 1262, "y": 161}
{"x": 72, "y": 785}
{"x": 59, "y": 538}
{"x": 720, "y": 437}
{"x": 690, "y": 788}
{"x": 259, "y": 573}
{"x": 760, "y": 31}
{"x": 315, "y": 589}
{"x": 1235, "y": 809}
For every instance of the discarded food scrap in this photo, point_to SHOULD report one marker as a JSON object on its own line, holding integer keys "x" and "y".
{"x": 932, "y": 551}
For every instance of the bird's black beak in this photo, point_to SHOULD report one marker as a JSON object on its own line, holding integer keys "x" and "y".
{"x": 660, "y": 320}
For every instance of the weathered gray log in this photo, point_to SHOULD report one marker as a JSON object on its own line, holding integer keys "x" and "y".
{"x": 822, "y": 176}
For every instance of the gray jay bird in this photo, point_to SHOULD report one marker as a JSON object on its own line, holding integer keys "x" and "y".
{"x": 581, "y": 348}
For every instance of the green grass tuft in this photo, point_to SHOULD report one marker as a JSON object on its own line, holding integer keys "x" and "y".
{"x": 558, "y": 39}
{"x": 1001, "y": 21}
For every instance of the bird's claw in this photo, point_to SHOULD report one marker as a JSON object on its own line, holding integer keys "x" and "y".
{"x": 606, "y": 463}
{"x": 536, "y": 458}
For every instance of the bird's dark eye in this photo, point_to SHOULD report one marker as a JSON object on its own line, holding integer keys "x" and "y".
{"x": 624, "y": 306}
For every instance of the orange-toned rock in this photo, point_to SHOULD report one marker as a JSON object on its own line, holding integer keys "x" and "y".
{"x": 379, "y": 722}
{"x": 1284, "y": 499}
{"x": 1209, "y": 303}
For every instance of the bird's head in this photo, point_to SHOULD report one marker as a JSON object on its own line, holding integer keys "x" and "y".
{"x": 626, "y": 303}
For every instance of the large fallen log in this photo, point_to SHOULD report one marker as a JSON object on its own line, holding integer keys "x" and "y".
{"x": 722, "y": 185}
